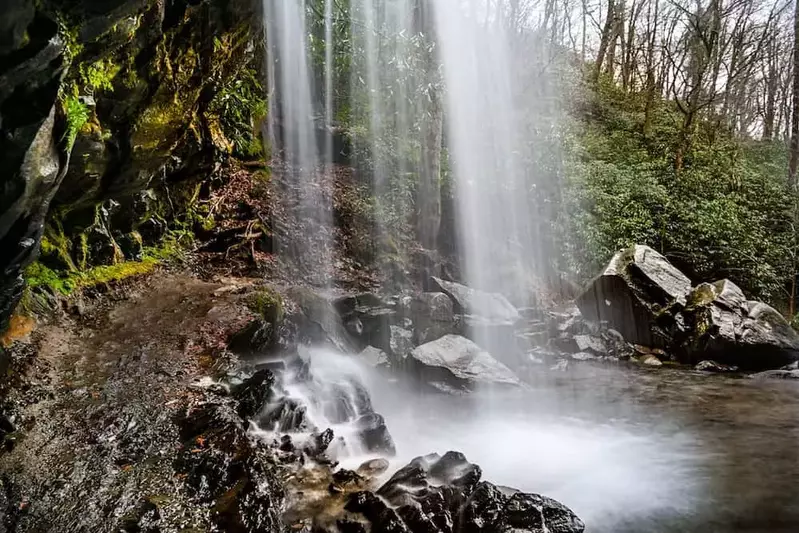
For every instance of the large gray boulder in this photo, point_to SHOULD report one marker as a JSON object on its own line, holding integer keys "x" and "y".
{"x": 433, "y": 314}
{"x": 487, "y": 305}
{"x": 639, "y": 294}
{"x": 456, "y": 362}
{"x": 720, "y": 324}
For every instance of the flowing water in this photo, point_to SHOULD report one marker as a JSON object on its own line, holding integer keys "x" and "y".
{"x": 628, "y": 450}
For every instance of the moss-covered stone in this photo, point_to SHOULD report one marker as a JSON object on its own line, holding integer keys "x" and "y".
{"x": 268, "y": 304}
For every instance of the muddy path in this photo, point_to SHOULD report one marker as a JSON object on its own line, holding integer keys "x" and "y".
{"x": 97, "y": 415}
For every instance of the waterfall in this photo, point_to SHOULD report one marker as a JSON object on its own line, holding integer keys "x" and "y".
{"x": 489, "y": 145}
{"x": 305, "y": 192}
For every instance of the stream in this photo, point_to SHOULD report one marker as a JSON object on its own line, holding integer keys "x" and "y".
{"x": 629, "y": 450}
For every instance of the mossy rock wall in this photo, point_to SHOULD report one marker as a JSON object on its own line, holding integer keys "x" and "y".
{"x": 105, "y": 107}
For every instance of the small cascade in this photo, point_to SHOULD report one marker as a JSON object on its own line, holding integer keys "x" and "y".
{"x": 325, "y": 398}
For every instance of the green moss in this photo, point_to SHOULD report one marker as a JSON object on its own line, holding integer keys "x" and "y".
{"x": 38, "y": 275}
{"x": 65, "y": 282}
{"x": 55, "y": 249}
{"x": 701, "y": 296}
{"x": 268, "y": 304}
{"x": 157, "y": 126}
{"x": 99, "y": 75}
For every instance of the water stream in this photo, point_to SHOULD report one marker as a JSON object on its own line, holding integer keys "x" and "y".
{"x": 628, "y": 450}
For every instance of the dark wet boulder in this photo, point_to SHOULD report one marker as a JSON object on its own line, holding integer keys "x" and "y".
{"x": 434, "y": 316}
{"x": 286, "y": 415}
{"x": 254, "y": 393}
{"x": 487, "y": 305}
{"x": 721, "y": 325}
{"x": 639, "y": 294}
{"x": 456, "y": 362}
{"x": 319, "y": 321}
{"x": 435, "y": 494}
{"x": 374, "y": 435}
{"x": 367, "y": 317}
{"x": 225, "y": 471}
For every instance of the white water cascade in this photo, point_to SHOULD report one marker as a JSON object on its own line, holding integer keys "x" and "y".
{"x": 294, "y": 131}
{"x": 608, "y": 466}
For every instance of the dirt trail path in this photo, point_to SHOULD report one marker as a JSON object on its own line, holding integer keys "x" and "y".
{"x": 98, "y": 450}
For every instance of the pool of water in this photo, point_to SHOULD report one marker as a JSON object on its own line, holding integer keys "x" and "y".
{"x": 629, "y": 450}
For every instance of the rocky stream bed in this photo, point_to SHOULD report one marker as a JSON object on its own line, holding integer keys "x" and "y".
{"x": 175, "y": 404}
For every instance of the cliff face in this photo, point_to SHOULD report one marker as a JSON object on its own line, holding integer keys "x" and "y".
{"x": 104, "y": 105}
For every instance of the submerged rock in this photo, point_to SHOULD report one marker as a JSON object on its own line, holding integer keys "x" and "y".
{"x": 712, "y": 366}
{"x": 650, "y": 360}
{"x": 459, "y": 362}
{"x": 777, "y": 374}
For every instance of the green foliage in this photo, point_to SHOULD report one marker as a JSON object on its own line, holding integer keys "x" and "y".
{"x": 99, "y": 75}
{"x": 725, "y": 214}
{"x": 241, "y": 108}
{"x": 77, "y": 115}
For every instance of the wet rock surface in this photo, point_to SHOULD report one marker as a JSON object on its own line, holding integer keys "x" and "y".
{"x": 435, "y": 494}
{"x": 724, "y": 326}
{"x": 145, "y": 431}
{"x": 104, "y": 420}
{"x": 652, "y": 304}
{"x": 455, "y": 361}
{"x": 638, "y": 294}
{"x": 469, "y": 301}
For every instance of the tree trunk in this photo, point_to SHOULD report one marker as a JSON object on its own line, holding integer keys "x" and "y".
{"x": 651, "y": 82}
{"x": 795, "y": 115}
{"x": 604, "y": 42}
{"x": 428, "y": 191}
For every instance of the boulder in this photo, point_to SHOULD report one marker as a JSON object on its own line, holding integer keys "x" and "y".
{"x": 254, "y": 393}
{"x": 319, "y": 321}
{"x": 639, "y": 294}
{"x": 373, "y": 434}
{"x": 721, "y": 325}
{"x": 434, "y": 316}
{"x": 777, "y": 374}
{"x": 455, "y": 361}
{"x": 714, "y": 367}
{"x": 400, "y": 342}
{"x": 435, "y": 494}
{"x": 650, "y": 360}
{"x": 374, "y": 357}
{"x": 487, "y": 305}
{"x": 591, "y": 344}
{"x": 367, "y": 317}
